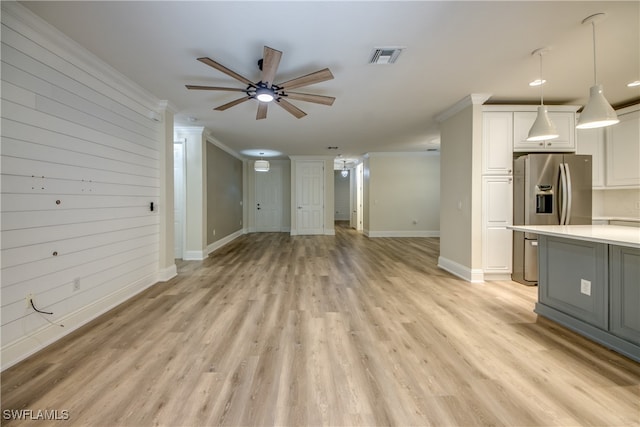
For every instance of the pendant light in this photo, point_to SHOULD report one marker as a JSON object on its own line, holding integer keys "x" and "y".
{"x": 261, "y": 165}
{"x": 543, "y": 128}
{"x": 598, "y": 112}
{"x": 345, "y": 172}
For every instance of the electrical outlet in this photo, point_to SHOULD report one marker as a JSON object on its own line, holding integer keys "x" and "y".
{"x": 585, "y": 287}
{"x": 76, "y": 284}
{"x": 28, "y": 299}
{"x": 214, "y": 231}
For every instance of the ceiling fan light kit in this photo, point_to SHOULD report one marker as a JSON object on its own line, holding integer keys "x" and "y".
{"x": 265, "y": 91}
{"x": 543, "y": 128}
{"x": 598, "y": 112}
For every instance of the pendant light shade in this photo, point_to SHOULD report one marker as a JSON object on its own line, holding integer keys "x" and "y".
{"x": 344, "y": 172}
{"x": 598, "y": 112}
{"x": 543, "y": 128}
{"x": 261, "y": 165}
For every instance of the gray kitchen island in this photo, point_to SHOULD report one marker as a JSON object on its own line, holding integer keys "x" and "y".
{"x": 589, "y": 281}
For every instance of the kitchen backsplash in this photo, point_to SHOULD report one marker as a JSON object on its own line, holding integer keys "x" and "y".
{"x": 616, "y": 203}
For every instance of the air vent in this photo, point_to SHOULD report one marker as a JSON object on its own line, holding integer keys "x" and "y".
{"x": 385, "y": 55}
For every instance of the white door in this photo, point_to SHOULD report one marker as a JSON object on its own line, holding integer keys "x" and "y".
{"x": 268, "y": 200}
{"x": 353, "y": 188}
{"x": 310, "y": 197}
{"x": 178, "y": 199}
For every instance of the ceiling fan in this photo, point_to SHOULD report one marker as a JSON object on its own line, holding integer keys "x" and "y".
{"x": 265, "y": 91}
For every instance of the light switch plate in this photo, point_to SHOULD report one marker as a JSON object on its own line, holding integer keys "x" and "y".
{"x": 585, "y": 287}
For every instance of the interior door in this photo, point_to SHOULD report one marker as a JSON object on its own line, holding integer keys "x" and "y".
{"x": 178, "y": 199}
{"x": 310, "y": 197}
{"x": 269, "y": 200}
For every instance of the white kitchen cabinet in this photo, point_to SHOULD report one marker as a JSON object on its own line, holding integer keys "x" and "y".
{"x": 497, "y": 240}
{"x": 497, "y": 143}
{"x": 565, "y": 122}
{"x": 591, "y": 141}
{"x": 623, "y": 150}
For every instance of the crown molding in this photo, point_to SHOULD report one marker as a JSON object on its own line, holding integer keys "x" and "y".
{"x": 467, "y": 101}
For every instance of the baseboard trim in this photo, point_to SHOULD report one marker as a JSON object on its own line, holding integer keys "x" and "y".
{"x": 168, "y": 273}
{"x": 194, "y": 255}
{"x": 497, "y": 276}
{"x": 411, "y": 233}
{"x": 224, "y": 241}
{"x": 462, "y": 271}
{"x": 22, "y": 348}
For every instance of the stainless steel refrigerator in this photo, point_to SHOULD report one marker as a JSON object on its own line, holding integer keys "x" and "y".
{"x": 548, "y": 189}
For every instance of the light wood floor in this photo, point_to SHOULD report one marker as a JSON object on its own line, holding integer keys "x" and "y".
{"x": 322, "y": 330}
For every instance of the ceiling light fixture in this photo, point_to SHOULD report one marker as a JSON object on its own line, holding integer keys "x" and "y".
{"x": 543, "y": 128}
{"x": 264, "y": 94}
{"x": 598, "y": 112}
{"x": 537, "y": 82}
{"x": 634, "y": 84}
{"x": 344, "y": 172}
{"x": 261, "y": 165}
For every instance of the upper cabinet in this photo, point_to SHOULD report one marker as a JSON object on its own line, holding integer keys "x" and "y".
{"x": 615, "y": 151}
{"x": 623, "y": 150}
{"x": 497, "y": 143}
{"x": 565, "y": 122}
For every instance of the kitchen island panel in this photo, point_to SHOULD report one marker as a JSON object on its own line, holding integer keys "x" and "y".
{"x": 625, "y": 292}
{"x": 573, "y": 278}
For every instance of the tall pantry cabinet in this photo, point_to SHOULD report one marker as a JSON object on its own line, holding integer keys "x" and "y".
{"x": 497, "y": 194}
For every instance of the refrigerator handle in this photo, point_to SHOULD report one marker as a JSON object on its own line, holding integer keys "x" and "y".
{"x": 569, "y": 193}
{"x": 563, "y": 195}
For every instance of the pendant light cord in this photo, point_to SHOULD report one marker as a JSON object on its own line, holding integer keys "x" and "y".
{"x": 541, "y": 83}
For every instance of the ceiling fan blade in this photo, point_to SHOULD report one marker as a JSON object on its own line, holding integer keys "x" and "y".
{"x": 318, "y": 99}
{"x": 232, "y": 103}
{"x": 231, "y": 89}
{"x": 210, "y": 62}
{"x": 309, "y": 79}
{"x": 291, "y": 108}
{"x": 270, "y": 62}
{"x": 262, "y": 110}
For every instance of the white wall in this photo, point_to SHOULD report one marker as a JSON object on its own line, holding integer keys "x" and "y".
{"x": 403, "y": 194}
{"x": 82, "y": 153}
{"x": 461, "y": 193}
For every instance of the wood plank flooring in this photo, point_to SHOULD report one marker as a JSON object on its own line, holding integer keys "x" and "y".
{"x": 286, "y": 330}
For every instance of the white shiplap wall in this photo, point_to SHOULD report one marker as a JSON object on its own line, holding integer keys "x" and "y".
{"x": 80, "y": 165}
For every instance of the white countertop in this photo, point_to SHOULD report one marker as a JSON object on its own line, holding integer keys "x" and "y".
{"x": 609, "y": 234}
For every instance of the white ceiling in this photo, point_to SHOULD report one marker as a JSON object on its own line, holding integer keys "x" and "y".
{"x": 452, "y": 49}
